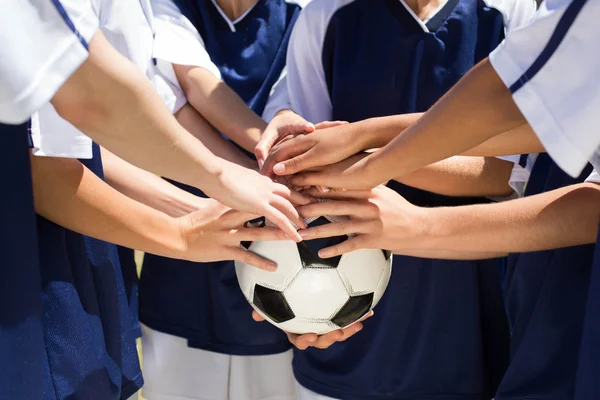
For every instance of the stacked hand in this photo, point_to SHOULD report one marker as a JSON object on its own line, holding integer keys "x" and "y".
{"x": 215, "y": 232}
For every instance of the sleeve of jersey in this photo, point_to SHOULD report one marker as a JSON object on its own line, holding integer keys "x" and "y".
{"x": 307, "y": 88}
{"x": 279, "y": 98}
{"x": 550, "y": 66}
{"x": 43, "y": 43}
{"x": 177, "y": 41}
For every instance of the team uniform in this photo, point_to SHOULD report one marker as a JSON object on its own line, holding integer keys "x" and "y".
{"x": 546, "y": 298}
{"x": 42, "y": 48}
{"x": 83, "y": 287}
{"x": 550, "y": 67}
{"x": 440, "y": 330}
{"x": 194, "y": 315}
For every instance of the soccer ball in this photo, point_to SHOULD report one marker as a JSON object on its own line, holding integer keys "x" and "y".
{"x": 308, "y": 294}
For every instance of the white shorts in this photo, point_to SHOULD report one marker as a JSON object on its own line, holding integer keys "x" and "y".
{"x": 174, "y": 371}
{"x": 303, "y": 393}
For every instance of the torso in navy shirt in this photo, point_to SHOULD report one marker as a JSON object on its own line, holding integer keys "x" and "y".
{"x": 546, "y": 298}
{"x": 202, "y": 301}
{"x": 440, "y": 330}
{"x": 22, "y": 349}
{"x": 87, "y": 325}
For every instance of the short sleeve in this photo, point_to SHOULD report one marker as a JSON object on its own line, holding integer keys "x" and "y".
{"x": 521, "y": 172}
{"x": 550, "y": 66}
{"x": 177, "y": 41}
{"x": 43, "y": 43}
{"x": 307, "y": 86}
{"x": 279, "y": 98}
{"x": 594, "y": 177}
{"x": 53, "y": 136}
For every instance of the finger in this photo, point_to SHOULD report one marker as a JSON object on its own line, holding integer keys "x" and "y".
{"x": 300, "y": 127}
{"x": 348, "y": 246}
{"x": 338, "y": 194}
{"x": 289, "y": 211}
{"x": 237, "y": 219}
{"x": 302, "y": 342}
{"x": 324, "y": 177}
{"x": 279, "y": 219}
{"x": 259, "y": 235}
{"x": 340, "y": 228}
{"x": 298, "y": 163}
{"x": 326, "y": 341}
{"x": 329, "y": 124}
{"x": 299, "y": 199}
{"x": 356, "y": 208}
{"x": 262, "y": 149}
{"x": 257, "y": 317}
{"x": 249, "y": 258}
{"x": 287, "y": 150}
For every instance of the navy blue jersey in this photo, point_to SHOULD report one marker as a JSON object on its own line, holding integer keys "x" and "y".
{"x": 22, "y": 352}
{"x": 87, "y": 325}
{"x": 440, "y": 330}
{"x": 587, "y": 385}
{"x": 202, "y": 301}
{"x": 546, "y": 297}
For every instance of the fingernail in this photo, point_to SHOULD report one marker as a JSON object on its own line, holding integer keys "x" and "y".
{"x": 272, "y": 267}
{"x": 324, "y": 189}
{"x": 303, "y": 233}
{"x": 279, "y": 168}
{"x": 260, "y": 164}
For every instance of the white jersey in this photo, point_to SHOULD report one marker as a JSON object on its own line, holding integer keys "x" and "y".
{"x": 43, "y": 43}
{"x": 551, "y": 67}
{"x": 128, "y": 26}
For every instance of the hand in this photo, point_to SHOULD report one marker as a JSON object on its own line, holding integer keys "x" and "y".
{"x": 215, "y": 233}
{"x": 303, "y": 342}
{"x": 285, "y": 123}
{"x": 380, "y": 219}
{"x": 249, "y": 191}
{"x": 330, "y": 143}
{"x": 352, "y": 173}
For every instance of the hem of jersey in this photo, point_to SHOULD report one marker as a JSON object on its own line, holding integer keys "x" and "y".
{"x": 566, "y": 155}
{"x": 328, "y": 391}
{"x": 82, "y": 151}
{"x": 53, "y": 75}
{"x": 196, "y": 341}
{"x": 134, "y": 386}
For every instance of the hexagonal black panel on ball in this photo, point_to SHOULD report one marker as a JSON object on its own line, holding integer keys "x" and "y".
{"x": 272, "y": 303}
{"x": 353, "y": 310}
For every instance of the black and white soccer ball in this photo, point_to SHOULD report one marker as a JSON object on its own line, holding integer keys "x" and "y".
{"x": 308, "y": 294}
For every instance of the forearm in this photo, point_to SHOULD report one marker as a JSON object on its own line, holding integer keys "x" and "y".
{"x": 70, "y": 195}
{"x": 191, "y": 120}
{"x": 561, "y": 218}
{"x": 463, "y": 176}
{"x": 521, "y": 140}
{"x": 475, "y": 110}
{"x": 105, "y": 88}
{"x": 147, "y": 188}
{"x": 378, "y": 132}
{"x": 221, "y": 106}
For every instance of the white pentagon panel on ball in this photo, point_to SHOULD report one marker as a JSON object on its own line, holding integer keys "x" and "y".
{"x": 284, "y": 253}
{"x": 316, "y": 293}
{"x": 361, "y": 270}
{"x": 302, "y": 326}
{"x": 382, "y": 285}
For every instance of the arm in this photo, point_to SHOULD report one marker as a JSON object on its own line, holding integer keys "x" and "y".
{"x": 220, "y": 105}
{"x": 382, "y": 219}
{"x": 463, "y": 176}
{"x": 67, "y": 193}
{"x": 112, "y": 102}
{"x": 149, "y": 189}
